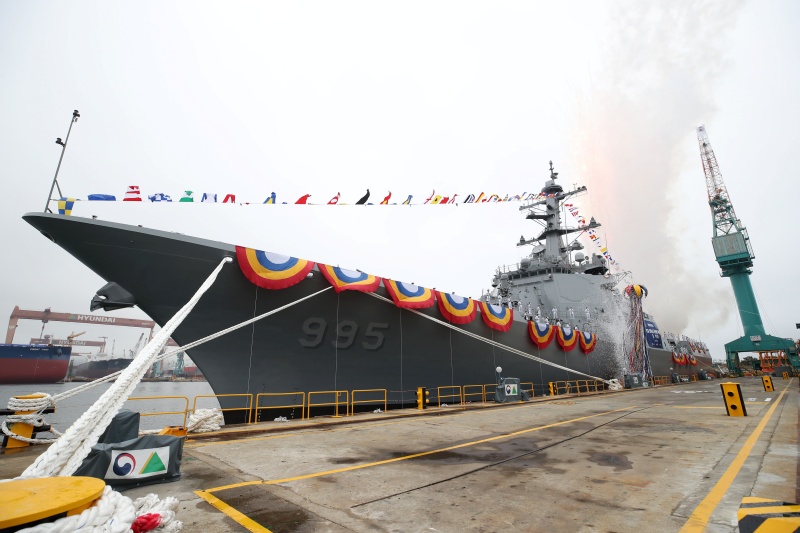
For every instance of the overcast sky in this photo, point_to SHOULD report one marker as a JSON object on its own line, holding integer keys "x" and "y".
{"x": 459, "y": 97}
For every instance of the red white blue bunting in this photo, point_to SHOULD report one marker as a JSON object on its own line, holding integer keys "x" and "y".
{"x": 586, "y": 341}
{"x": 456, "y": 309}
{"x": 349, "y": 280}
{"x": 272, "y": 271}
{"x": 679, "y": 358}
{"x": 497, "y": 316}
{"x": 408, "y": 295}
{"x": 541, "y": 333}
{"x": 566, "y": 337}
{"x": 691, "y": 359}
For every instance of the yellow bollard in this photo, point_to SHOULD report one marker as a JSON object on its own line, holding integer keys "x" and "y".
{"x": 785, "y": 375}
{"x": 767, "y": 381}
{"x": 734, "y": 403}
{"x": 552, "y": 388}
{"x": 422, "y": 398}
{"x": 20, "y": 428}
{"x": 26, "y": 501}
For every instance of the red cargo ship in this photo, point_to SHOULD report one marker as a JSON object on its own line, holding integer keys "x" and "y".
{"x": 33, "y": 363}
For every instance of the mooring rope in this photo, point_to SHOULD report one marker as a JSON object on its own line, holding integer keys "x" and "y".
{"x": 69, "y": 451}
{"x": 45, "y": 400}
{"x": 493, "y": 342}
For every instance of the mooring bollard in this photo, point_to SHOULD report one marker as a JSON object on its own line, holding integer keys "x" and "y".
{"x": 734, "y": 403}
{"x": 767, "y": 381}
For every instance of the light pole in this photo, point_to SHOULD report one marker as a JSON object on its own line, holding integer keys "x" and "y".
{"x": 75, "y": 117}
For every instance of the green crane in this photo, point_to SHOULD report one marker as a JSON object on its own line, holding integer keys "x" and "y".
{"x": 734, "y": 255}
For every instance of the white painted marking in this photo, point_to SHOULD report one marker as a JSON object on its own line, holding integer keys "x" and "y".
{"x": 768, "y": 400}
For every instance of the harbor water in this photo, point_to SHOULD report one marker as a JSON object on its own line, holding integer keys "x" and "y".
{"x": 70, "y": 409}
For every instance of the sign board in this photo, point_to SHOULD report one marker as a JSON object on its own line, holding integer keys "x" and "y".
{"x": 652, "y": 335}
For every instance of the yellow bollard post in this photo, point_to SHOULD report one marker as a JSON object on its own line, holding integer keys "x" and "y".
{"x": 422, "y": 398}
{"x": 552, "y": 389}
{"x": 20, "y": 428}
{"x": 734, "y": 403}
{"x": 767, "y": 383}
{"x": 785, "y": 375}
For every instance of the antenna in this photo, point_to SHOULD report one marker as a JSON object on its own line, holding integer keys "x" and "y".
{"x": 75, "y": 117}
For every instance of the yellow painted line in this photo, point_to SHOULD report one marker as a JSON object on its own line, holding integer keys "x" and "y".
{"x": 413, "y": 455}
{"x": 699, "y": 518}
{"x": 240, "y": 518}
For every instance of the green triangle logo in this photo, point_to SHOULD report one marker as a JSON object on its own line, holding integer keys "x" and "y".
{"x": 153, "y": 464}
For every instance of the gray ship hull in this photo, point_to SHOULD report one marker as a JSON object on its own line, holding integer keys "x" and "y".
{"x": 375, "y": 346}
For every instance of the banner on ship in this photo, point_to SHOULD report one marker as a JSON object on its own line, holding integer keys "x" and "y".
{"x": 497, "y": 317}
{"x": 456, "y": 309}
{"x": 272, "y": 271}
{"x": 652, "y": 335}
{"x": 408, "y": 295}
{"x": 349, "y": 280}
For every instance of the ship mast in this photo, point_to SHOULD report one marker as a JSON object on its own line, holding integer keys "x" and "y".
{"x": 548, "y": 211}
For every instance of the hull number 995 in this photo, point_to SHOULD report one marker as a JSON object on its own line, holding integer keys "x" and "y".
{"x": 346, "y": 334}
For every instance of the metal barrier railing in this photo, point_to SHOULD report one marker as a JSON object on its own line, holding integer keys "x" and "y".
{"x": 353, "y": 401}
{"x": 258, "y": 407}
{"x": 586, "y": 386}
{"x": 335, "y": 402}
{"x": 481, "y": 392}
{"x": 185, "y": 411}
{"x": 661, "y": 380}
{"x": 487, "y": 394}
{"x": 439, "y": 394}
{"x": 249, "y": 407}
{"x": 522, "y": 387}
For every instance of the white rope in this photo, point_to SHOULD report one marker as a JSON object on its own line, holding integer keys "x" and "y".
{"x": 67, "y": 453}
{"x": 43, "y": 403}
{"x": 205, "y": 420}
{"x": 189, "y": 346}
{"x": 112, "y": 513}
{"x": 492, "y": 342}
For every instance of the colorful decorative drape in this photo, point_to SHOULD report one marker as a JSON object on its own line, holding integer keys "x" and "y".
{"x": 566, "y": 337}
{"x": 587, "y": 341}
{"x": 497, "y": 316}
{"x": 678, "y": 358}
{"x": 541, "y": 333}
{"x": 272, "y": 271}
{"x": 456, "y": 309}
{"x": 408, "y": 295}
{"x": 349, "y": 280}
{"x": 691, "y": 359}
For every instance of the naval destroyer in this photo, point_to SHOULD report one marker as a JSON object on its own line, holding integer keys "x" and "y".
{"x": 385, "y": 334}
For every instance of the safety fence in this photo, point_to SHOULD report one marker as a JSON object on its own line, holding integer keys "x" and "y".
{"x": 578, "y": 386}
{"x": 251, "y": 408}
{"x": 661, "y": 380}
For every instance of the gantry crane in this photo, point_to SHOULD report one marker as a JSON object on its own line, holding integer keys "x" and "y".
{"x": 734, "y": 255}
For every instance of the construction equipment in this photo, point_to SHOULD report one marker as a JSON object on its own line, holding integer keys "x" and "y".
{"x": 71, "y": 338}
{"x": 734, "y": 254}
